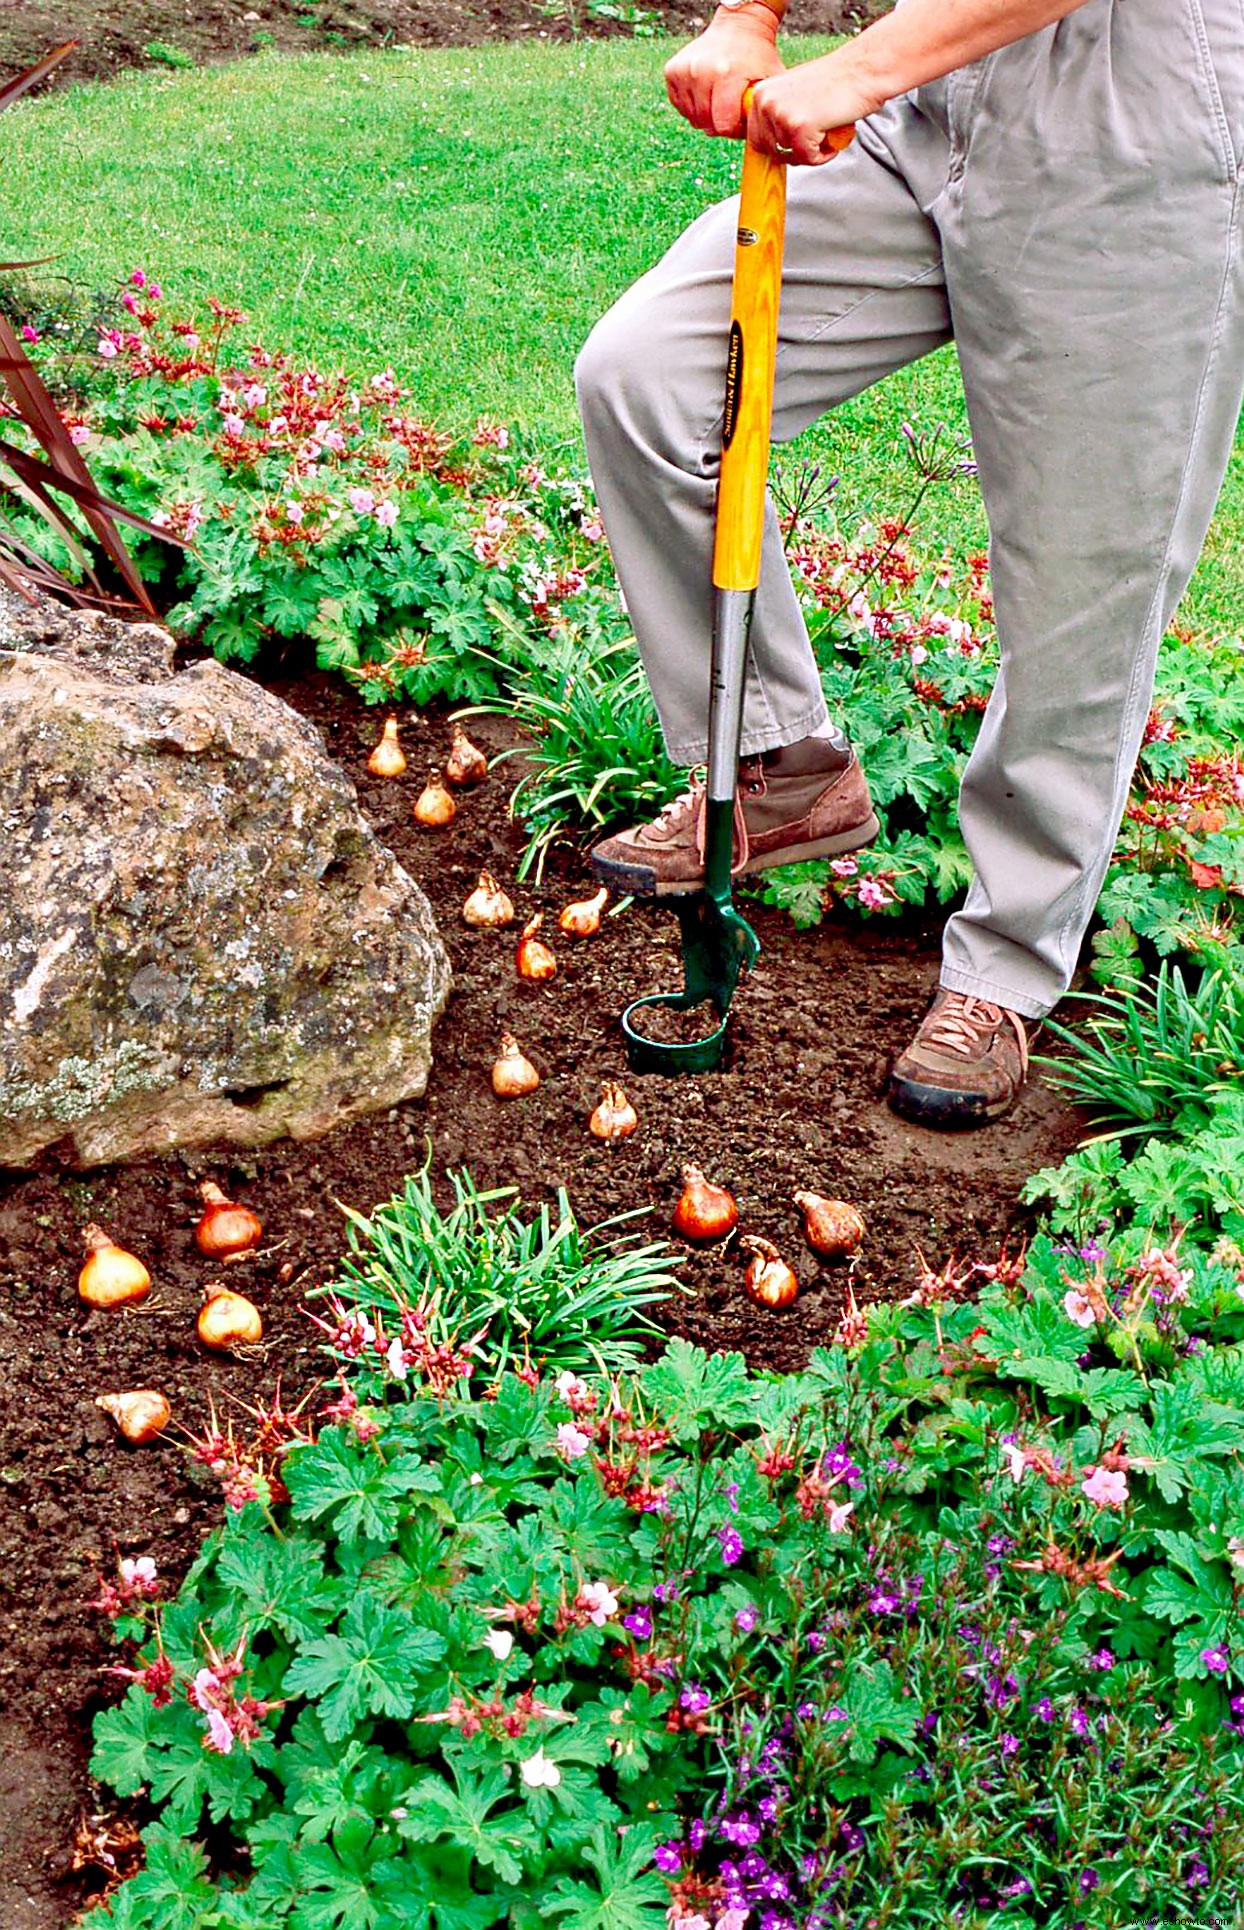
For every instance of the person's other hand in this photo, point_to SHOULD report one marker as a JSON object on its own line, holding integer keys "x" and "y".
{"x": 794, "y": 113}
{"x": 706, "y": 81}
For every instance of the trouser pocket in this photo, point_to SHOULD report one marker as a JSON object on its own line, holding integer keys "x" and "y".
{"x": 1219, "y": 27}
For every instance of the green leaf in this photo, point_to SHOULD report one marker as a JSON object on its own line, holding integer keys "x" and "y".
{"x": 344, "y": 1479}
{"x": 281, "y": 1584}
{"x": 465, "y": 1815}
{"x": 125, "y": 1738}
{"x": 627, "y": 1895}
{"x": 366, "y": 1668}
{"x": 170, "y": 1893}
{"x": 692, "y": 1391}
{"x": 351, "y": 1884}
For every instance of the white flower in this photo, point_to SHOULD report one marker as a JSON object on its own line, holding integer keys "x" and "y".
{"x": 839, "y": 1515}
{"x": 143, "y": 1569}
{"x": 540, "y": 1771}
{"x": 1235, "y": 1551}
{"x": 572, "y": 1441}
{"x": 1016, "y": 1460}
{"x": 395, "y": 1360}
{"x": 1078, "y": 1309}
{"x": 499, "y": 1641}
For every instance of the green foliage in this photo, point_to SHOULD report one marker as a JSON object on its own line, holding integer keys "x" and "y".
{"x": 537, "y": 1656}
{"x": 520, "y": 1288}
{"x": 1157, "y": 1054}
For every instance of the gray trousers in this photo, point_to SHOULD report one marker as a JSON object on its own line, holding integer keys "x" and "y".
{"x": 1069, "y": 212}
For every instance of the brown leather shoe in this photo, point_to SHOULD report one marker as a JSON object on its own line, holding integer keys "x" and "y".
{"x": 966, "y": 1065}
{"x": 781, "y": 817}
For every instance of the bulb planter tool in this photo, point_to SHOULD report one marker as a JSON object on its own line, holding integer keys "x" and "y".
{"x": 719, "y": 946}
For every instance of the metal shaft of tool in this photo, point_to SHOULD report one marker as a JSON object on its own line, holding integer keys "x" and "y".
{"x": 732, "y": 620}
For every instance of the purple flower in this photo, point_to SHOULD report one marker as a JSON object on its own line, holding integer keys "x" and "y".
{"x": 928, "y": 1721}
{"x": 1101, "y": 1659}
{"x": 1089, "y": 1880}
{"x": 732, "y": 1496}
{"x": 1078, "y": 1723}
{"x": 879, "y": 1603}
{"x": 1216, "y": 1660}
{"x": 665, "y": 1592}
{"x": 1197, "y": 1874}
{"x": 815, "y": 1642}
{"x": 1000, "y": 1544}
{"x": 835, "y": 1713}
{"x": 694, "y": 1699}
{"x": 806, "y": 1711}
{"x": 742, "y": 1830}
{"x": 696, "y": 1835}
{"x": 852, "y": 1836}
{"x": 1044, "y": 1710}
{"x": 838, "y": 1466}
{"x": 753, "y": 1866}
{"x": 639, "y": 1624}
{"x": 731, "y": 1545}
{"x": 668, "y": 1857}
{"x": 745, "y": 1619}
{"x": 1020, "y": 1887}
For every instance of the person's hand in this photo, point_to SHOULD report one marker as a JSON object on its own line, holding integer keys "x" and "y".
{"x": 706, "y": 81}
{"x": 795, "y": 113}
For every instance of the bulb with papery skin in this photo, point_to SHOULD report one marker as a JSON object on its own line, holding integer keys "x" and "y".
{"x": 466, "y": 763}
{"x": 111, "y": 1277}
{"x": 513, "y": 1075}
{"x": 533, "y": 958}
{"x": 434, "y": 807}
{"x": 769, "y": 1281}
{"x": 615, "y": 1117}
{"x": 227, "y": 1319}
{"x": 388, "y": 759}
{"x": 226, "y": 1229}
{"x": 141, "y": 1415}
{"x": 833, "y": 1228}
{"x": 488, "y": 907}
{"x": 704, "y": 1211}
{"x": 582, "y": 919}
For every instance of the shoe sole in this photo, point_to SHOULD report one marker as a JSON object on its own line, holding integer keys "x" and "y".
{"x": 941, "y": 1108}
{"x": 642, "y": 882}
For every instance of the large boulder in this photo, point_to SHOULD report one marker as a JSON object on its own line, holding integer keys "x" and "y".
{"x": 201, "y": 941}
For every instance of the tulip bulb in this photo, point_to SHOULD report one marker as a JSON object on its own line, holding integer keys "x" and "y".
{"x": 832, "y": 1228}
{"x": 111, "y": 1277}
{"x": 434, "y": 807}
{"x": 533, "y": 959}
{"x": 388, "y": 759}
{"x": 488, "y": 905}
{"x": 769, "y": 1281}
{"x": 582, "y": 919}
{"x": 466, "y": 763}
{"x": 704, "y": 1211}
{"x": 227, "y": 1319}
{"x": 615, "y": 1117}
{"x": 513, "y": 1075}
{"x": 226, "y": 1229}
{"x": 140, "y": 1415}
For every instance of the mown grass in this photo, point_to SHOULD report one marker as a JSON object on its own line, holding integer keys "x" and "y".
{"x": 463, "y": 215}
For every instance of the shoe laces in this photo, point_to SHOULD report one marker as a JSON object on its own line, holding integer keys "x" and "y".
{"x": 963, "y": 1024}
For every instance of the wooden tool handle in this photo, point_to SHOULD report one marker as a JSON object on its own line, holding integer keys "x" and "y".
{"x": 751, "y": 353}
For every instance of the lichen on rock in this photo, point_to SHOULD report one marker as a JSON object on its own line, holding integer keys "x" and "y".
{"x": 201, "y": 939}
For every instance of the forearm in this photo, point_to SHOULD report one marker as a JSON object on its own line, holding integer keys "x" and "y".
{"x": 924, "y": 39}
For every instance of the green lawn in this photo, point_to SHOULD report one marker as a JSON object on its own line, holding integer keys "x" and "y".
{"x": 462, "y": 215}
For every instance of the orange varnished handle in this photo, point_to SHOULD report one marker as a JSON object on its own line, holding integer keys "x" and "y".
{"x": 750, "y": 356}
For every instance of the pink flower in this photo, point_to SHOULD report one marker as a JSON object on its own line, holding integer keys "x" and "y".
{"x": 386, "y": 514}
{"x": 1106, "y": 1486}
{"x": 142, "y": 1571}
{"x": 844, "y": 867}
{"x": 205, "y": 1688}
{"x": 154, "y": 290}
{"x": 600, "y": 1602}
{"x": 732, "y": 1920}
{"x": 592, "y": 530}
{"x": 219, "y": 1735}
{"x": 255, "y": 395}
{"x": 361, "y": 501}
{"x": 138, "y": 279}
{"x": 105, "y": 348}
{"x": 839, "y": 1514}
{"x": 334, "y": 440}
{"x": 79, "y": 434}
{"x": 919, "y": 654}
{"x": 569, "y": 1387}
{"x": 572, "y": 1441}
{"x": 1078, "y": 1309}
{"x": 873, "y": 893}
{"x": 1016, "y": 1460}
{"x": 233, "y": 425}
{"x": 29, "y": 334}
{"x": 293, "y": 512}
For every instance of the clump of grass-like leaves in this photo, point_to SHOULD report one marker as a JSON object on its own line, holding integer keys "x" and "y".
{"x": 528, "y": 1289}
{"x": 1158, "y": 1053}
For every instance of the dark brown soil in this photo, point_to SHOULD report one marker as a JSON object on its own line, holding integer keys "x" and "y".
{"x": 115, "y": 34}
{"x": 796, "y": 1106}
{"x": 676, "y": 1024}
